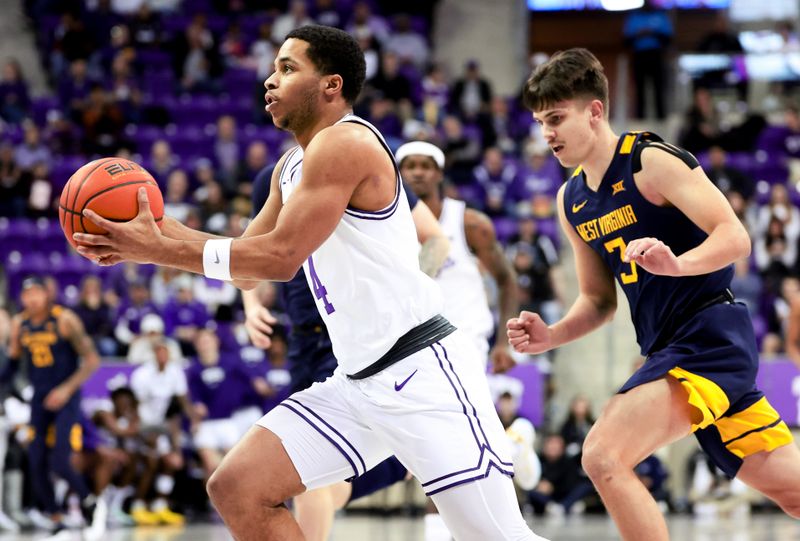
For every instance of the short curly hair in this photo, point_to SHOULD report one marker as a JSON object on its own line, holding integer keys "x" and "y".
{"x": 574, "y": 73}
{"x": 334, "y": 51}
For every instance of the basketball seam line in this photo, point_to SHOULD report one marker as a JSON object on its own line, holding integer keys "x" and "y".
{"x": 101, "y": 192}
{"x": 116, "y": 220}
{"x": 78, "y": 189}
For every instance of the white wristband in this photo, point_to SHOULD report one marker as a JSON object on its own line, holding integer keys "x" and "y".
{"x": 217, "y": 259}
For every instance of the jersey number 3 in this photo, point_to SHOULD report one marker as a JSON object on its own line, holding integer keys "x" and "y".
{"x": 319, "y": 290}
{"x": 626, "y": 277}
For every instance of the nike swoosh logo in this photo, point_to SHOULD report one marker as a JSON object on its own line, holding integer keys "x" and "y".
{"x": 398, "y": 387}
{"x": 576, "y": 208}
{"x": 216, "y": 256}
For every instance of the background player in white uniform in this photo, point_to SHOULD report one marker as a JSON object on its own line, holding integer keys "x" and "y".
{"x": 472, "y": 240}
{"x": 348, "y": 223}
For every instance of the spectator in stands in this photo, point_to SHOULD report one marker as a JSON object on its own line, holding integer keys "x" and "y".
{"x": 774, "y": 254}
{"x": 151, "y": 333}
{"x": 295, "y": 17}
{"x": 327, "y": 13}
{"x": 496, "y": 176}
{"x": 791, "y": 136}
{"x": 102, "y": 121}
{"x": 14, "y": 100}
{"x": 162, "y": 392}
{"x": 711, "y": 492}
{"x": 648, "y": 32}
{"x": 213, "y": 208}
{"x": 726, "y": 177}
{"x": 233, "y": 46}
{"x": 31, "y": 150}
{"x": 73, "y": 90}
{"x": 563, "y": 487}
{"x": 96, "y": 314}
{"x": 42, "y": 201}
{"x": 176, "y": 198}
{"x": 162, "y": 161}
{"x": 540, "y": 174}
{"x": 72, "y": 42}
{"x": 213, "y": 293}
{"x": 197, "y": 58}
{"x": 701, "y": 125}
{"x": 13, "y": 193}
{"x": 472, "y": 93}
{"x": 226, "y": 152}
{"x": 747, "y": 286}
{"x": 389, "y": 81}
{"x": 435, "y": 93}
{"x": 100, "y": 19}
{"x": 721, "y": 40}
{"x": 217, "y": 387}
{"x": 535, "y": 260}
{"x": 522, "y": 435}
{"x": 364, "y": 18}
{"x": 577, "y": 426}
{"x": 779, "y": 209}
{"x": 145, "y": 27}
{"x": 409, "y": 46}
{"x": 793, "y": 332}
{"x": 255, "y": 159}
{"x": 372, "y": 52}
{"x": 131, "y": 312}
{"x": 184, "y": 317}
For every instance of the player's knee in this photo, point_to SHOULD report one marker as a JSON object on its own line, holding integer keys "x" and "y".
{"x": 220, "y": 487}
{"x": 599, "y": 463}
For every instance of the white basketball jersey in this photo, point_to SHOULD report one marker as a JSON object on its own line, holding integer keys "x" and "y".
{"x": 465, "y": 303}
{"x": 365, "y": 277}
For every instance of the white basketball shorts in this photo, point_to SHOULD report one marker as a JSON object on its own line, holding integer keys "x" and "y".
{"x": 432, "y": 410}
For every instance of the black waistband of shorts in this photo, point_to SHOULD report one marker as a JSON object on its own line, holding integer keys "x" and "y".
{"x": 418, "y": 338}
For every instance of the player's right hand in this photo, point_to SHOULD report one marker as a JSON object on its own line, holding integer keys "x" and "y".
{"x": 528, "y": 333}
{"x": 258, "y": 322}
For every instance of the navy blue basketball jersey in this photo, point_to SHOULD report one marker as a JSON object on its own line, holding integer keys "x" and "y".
{"x": 607, "y": 220}
{"x": 51, "y": 359}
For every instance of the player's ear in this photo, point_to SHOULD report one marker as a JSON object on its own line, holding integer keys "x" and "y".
{"x": 597, "y": 110}
{"x": 333, "y": 85}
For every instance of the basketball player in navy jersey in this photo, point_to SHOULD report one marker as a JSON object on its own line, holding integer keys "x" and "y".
{"x": 642, "y": 211}
{"x": 60, "y": 357}
{"x": 408, "y": 383}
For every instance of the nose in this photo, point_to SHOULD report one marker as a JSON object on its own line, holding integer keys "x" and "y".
{"x": 269, "y": 84}
{"x": 548, "y": 133}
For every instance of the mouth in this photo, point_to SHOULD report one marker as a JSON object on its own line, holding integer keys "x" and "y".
{"x": 556, "y": 149}
{"x": 270, "y": 100}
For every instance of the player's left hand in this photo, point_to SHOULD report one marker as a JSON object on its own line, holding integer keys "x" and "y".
{"x": 56, "y": 398}
{"x": 501, "y": 359}
{"x": 126, "y": 241}
{"x": 653, "y": 256}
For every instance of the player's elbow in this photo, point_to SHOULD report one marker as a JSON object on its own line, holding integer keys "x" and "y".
{"x": 740, "y": 242}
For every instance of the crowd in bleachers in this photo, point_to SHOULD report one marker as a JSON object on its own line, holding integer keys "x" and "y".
{"x": 177, "y": 85}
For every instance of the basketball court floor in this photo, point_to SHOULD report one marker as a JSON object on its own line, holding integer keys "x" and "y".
{"x": 760, "y": 527}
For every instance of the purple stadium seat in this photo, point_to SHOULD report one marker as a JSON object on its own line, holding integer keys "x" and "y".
{"x": 550, "y": 228}
{"x": 16, "y": 235}
{"x": 505, "y": 227}
{"x": 50, "y": 237}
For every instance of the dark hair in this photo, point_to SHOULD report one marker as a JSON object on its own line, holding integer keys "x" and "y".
{"x": 574, "y": 73}
{"x": 334, "y": 51}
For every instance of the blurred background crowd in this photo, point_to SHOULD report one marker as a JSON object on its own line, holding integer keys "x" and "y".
{"x": 177, "y": 86}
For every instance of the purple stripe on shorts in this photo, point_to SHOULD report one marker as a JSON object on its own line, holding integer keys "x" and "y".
{"x": 318, "y": 429}
{"x": 474, "y": 409}
{"x": 471, "y": 479}
{"x": 463, "y": 406}
{"x": 480, "y": 459}
{"x": 323, "y": 421}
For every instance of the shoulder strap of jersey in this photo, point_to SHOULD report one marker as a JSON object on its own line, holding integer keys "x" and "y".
{"x": 651, "y": 140}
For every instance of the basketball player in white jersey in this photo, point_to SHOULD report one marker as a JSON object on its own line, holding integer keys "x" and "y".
{"x": 408, "y": 383}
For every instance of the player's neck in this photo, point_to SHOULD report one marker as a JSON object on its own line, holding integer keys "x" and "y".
{"x": 326, "y": 119}
{"x": 599, "y": 158}
{"x": 39, "y": 317}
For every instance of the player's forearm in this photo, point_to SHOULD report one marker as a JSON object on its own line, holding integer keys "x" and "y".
{"x": 509, "y": 305}
{"x": 726, "y": 244}
{"x": 174, "y": 229}
{"x": 583, "y": 317}
{"x": 90, "y": 364}
{"x": 433, "y": 254}
{"x": 251, "y": 259}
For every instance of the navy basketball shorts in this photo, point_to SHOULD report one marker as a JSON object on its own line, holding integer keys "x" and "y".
{"x": 713, "y": 355}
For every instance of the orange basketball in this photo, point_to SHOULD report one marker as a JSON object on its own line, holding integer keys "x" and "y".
{"x": 107, "y": 186}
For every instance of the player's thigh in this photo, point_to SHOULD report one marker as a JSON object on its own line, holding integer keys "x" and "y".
{"x": 435, "y": 411}
{"x": 485, "y": 509}
{"x": 774, "y": 473}
{"x": 323, "y": 435}
{"x": 638, "y": 422}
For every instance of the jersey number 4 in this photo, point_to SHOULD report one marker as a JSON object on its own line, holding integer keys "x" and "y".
{"x": 626, "y": 277}
{"x": 319, "y": 290}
